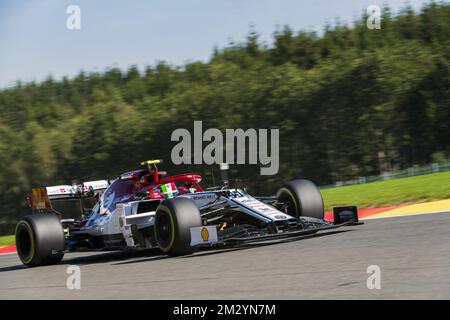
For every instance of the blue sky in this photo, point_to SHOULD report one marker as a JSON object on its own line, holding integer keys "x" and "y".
{"x": 34, "y": 40}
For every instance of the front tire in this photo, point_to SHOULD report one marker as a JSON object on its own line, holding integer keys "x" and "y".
{"x": 173, "y": 221}
{"x": 301, "y": 198}
{"x": 40, "y": 239}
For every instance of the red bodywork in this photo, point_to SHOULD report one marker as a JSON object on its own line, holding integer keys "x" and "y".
{"x": 124, "y": 189}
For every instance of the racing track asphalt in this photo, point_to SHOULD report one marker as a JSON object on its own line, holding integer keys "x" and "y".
{"x": 413, "y": 253}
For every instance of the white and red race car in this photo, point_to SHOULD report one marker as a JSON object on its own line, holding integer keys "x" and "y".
{"x": 144, "y": 209}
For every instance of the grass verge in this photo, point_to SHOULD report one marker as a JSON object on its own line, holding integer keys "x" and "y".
{"x": 7, "y": 241}
{"x": 390, "y": 192}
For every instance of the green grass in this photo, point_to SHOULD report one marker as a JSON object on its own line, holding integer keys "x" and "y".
{"x": 390, "y": 192}
{"x": 7, "y": 241}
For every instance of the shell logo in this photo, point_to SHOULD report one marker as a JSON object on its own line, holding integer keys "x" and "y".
{"x": 205, "y": 234}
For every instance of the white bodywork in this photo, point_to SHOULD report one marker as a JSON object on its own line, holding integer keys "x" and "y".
{"x": 104, "y": 222}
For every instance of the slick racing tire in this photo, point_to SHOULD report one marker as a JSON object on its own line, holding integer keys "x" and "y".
{"x": 301, "y": 198}
{"x": 40, "y": 239}
{"x": 173, "y": 221}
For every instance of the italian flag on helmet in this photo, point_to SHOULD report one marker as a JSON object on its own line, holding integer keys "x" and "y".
{"x": 169, "y": 190}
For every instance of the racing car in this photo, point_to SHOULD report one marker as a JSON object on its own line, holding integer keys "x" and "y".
{"x": 145, "y": 208}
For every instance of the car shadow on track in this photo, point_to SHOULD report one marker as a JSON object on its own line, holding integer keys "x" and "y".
{"x": 100, "y": 257}
{"x": 155, "y": 254}
{"x": 13, "y": 268}
{"x": 223, "y": 250}
{"x": 152, "y": 254}
{"x": 245, "y": 246}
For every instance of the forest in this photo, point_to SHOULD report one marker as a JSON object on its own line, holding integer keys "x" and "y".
{"x": 348, "y": 102}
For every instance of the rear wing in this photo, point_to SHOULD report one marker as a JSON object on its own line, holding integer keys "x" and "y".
{"x": 87, "y": 189}
{"x": 69, "y": 201}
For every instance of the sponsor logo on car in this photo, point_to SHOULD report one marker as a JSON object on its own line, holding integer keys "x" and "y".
{"x": 205, "y": 234}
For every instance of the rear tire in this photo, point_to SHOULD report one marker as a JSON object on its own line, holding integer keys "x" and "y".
{"x": 302, "y": 198}
{"x": 173, "y": 221}
{"x": 40, "y": 239}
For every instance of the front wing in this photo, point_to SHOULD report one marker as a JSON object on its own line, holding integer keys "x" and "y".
{"x": 207, "y": 236}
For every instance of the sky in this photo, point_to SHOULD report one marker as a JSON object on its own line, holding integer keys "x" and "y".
{"x": 36, "y": 43}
